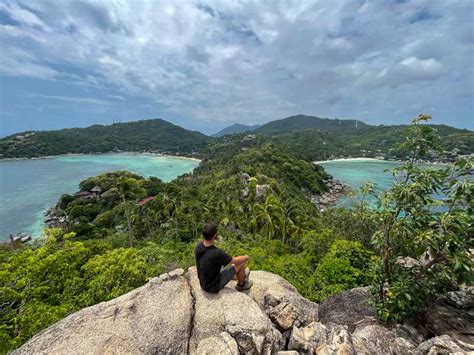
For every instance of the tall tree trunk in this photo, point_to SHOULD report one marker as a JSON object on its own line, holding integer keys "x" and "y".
{"x": 129, "y": 222}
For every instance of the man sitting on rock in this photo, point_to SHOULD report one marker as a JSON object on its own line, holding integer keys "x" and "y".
{"x": 215, "y": 267}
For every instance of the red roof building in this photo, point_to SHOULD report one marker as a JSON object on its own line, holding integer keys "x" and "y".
{"x": 145, "y": 200}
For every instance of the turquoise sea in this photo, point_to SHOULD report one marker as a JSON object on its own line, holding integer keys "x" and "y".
{"x": 357, "y": 172}
{"x": 29, "y": 187}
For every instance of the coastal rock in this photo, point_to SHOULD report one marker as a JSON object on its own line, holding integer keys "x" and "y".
{"x": 327, "y": 199}
{"x": 347, "y": 308}
{"x": 127, "y": 324}
{"x": 214, "y": 313}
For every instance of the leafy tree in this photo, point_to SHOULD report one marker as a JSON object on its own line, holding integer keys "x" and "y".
{"x": 417, "y": 222}
{"x": 344, "y": 267}
{"x": 111, "y": 274}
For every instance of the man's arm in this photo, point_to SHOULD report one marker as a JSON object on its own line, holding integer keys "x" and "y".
{"x": 238, "y": 260}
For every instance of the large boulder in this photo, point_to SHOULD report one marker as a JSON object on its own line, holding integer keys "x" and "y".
{"x": 372, "y": 337}
{"x": 222, "y": 344}
{"x": 309, "y": 338}
{"x": 443, "y": 344}
{"x": 236, "y": 314}
{"x": 347, "y": 308}
{"x": 453, "y": 315}
{"x": 171, "y": 314}
{"x": 281, "y": 301}
{"x": 155, "y": 318}
{"x": 338, "y": 342}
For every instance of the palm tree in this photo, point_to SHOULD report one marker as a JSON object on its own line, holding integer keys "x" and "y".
{"x": 171, "y": 209}
{"x": 269, "y": 216}
{"x": 129, "y": 190}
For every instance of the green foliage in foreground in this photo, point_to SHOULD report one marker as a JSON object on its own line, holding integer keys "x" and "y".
{"x": 424, "y": 241}
{"x": 42, "y": 284}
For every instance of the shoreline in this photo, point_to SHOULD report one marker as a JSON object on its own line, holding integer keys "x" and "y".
{"x": 354, "y": 159}
{"x": 108, "y": 153}
{"x": 374, "y": 160}
{"x": 35, "y": 229}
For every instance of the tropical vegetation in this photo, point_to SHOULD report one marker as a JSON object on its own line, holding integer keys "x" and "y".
{"x": 122, "y": 229}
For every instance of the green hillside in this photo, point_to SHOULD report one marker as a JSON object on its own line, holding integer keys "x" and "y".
{"x": 236, "y": 128}
{"x": 308, "y": 137}
{"x": 370, "y": 141}
{"x": 146, "y": 135}
{"x": 300, "y": 122}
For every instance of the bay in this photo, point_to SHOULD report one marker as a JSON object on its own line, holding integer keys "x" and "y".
{"x": 357, "y": 172}
{"x": 29, "y": 187}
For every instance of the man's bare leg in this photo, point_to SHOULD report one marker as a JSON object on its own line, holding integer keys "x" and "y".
{"x": 239, "y": 263}
{"x": 240, "y": 273}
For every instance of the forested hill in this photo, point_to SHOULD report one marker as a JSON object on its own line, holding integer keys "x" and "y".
{"x": 146, "y": 135}
{"x": 300, "y": 122}
{"x": 371, "y": 141}
{"x": 308, "y": 137}
{"x": 235, "y": 128}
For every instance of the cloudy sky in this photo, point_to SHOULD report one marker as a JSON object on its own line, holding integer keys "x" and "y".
{"x": 207, "y": 64}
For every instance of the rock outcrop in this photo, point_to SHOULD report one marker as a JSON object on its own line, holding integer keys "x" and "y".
{"x": 154, "y": 318}
{"x": 172, "y": 315}
{"x": 453, "y": 315}
{"x": 230, "y": 314}
{"x": 347, "y": 308}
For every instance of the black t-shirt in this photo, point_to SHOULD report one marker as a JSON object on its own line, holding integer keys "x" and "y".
{"x": 209, "y": 261}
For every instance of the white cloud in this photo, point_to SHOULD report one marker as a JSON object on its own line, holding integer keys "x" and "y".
{"x": 250, "y": 61}
{"x": 79, "y": 100}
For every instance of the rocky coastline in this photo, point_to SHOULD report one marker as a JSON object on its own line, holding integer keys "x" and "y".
{"x": 325, "y": 200}
{"x": 54, "y": 219}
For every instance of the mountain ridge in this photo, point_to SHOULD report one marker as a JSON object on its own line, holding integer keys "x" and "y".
{"x": 236, "y": 128}
{"x": 299, "y": 122}
{"x": 323, "y": 138}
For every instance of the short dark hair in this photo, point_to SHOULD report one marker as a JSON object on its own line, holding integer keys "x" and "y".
{"x": 209, "y": 231}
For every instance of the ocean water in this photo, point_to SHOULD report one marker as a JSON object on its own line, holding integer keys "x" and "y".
{"x": 29, "y": 187}
{"x": 356, "y": 173}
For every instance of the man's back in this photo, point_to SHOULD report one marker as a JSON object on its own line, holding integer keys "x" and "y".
{"x": 209, "y": 260}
